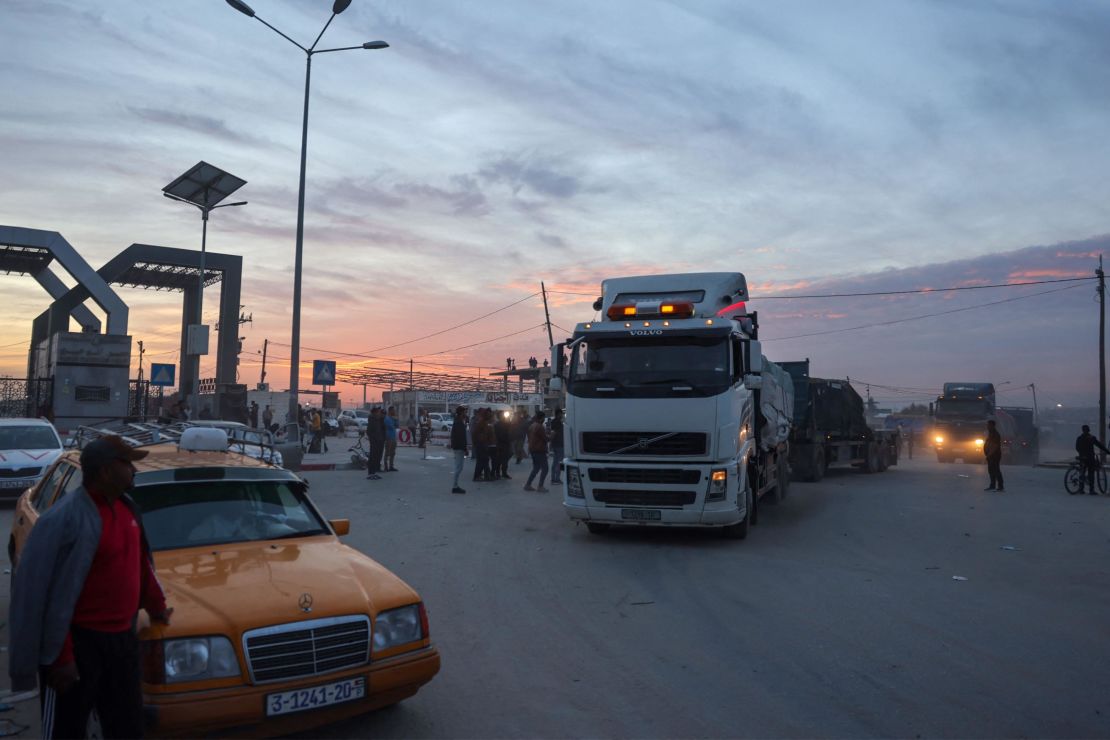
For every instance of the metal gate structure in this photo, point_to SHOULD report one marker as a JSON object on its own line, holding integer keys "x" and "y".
{"x": 144, "y": 401}
{"x": 26, "y": 397}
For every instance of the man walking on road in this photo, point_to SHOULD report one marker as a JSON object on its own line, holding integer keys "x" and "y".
{"x": 537, "y": 447}
{"x": 1085, "y": 445}
{"x": 391, "y": 440}
{"x": 992, "y": 450}
{"x": 83, "y": 575}
{"x": 375, "y": 435}
{"x": 458, "y": 445}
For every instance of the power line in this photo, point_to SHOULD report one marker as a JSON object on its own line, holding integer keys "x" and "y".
{"x": 456, "y": 326}
{"x": 921, "y": 290}
{"x": 922, "y": 316}
{"x": 888, "y": 292}
{"x": 504, "y": 336}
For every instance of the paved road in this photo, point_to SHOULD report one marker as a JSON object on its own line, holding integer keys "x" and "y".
{"x": 838, "y": 617}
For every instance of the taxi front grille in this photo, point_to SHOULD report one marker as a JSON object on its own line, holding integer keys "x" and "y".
{"x": 19, "y": 472}
{"x": 311, "y": 648}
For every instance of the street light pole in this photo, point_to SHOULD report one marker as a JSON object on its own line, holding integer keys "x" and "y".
{"x": 295, "y": 355}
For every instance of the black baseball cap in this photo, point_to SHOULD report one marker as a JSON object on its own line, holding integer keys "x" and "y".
{"x": 100, "y": 452}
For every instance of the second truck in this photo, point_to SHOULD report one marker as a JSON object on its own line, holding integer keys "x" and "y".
{"x": 673, "y": 415}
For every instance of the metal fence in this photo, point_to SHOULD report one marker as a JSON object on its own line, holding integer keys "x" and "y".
{"x": 144, "y": 401}
{"x": 26, "y": 397}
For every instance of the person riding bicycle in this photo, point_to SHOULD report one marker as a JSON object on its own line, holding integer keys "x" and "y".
{"x": 1085, "y": 445}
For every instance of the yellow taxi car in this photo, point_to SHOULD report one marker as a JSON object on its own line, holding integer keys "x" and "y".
{"x": 277, "y": 626}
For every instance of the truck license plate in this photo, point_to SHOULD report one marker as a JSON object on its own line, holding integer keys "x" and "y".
{"x": 642, "y": 515}
{"x": 298, "y": 700}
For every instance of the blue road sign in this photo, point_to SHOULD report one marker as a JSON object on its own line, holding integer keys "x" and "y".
{"x": 162, "y": 374}
{"x": 323, "y": 372}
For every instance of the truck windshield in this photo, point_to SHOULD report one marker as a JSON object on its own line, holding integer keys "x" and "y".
{"x": 960, "y": 409}
{"x": 650, "y": 367}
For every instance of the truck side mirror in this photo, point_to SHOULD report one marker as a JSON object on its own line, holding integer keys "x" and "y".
{"x": 558, "y": 361}
{"x": 755, "y": 357}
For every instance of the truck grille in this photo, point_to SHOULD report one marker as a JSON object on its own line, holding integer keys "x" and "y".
{"x": 19, "y": 472}
{"x": 680, "y": 443}
{"x": 618, "y": 497}
{"x": 310, "y": 648}
{"x": 644, "y": 475}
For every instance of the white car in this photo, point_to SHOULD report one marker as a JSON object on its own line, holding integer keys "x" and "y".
{"x": 27, "y": 448}
{"x": 441, "y": 422}
{"x": 357, "y": 418}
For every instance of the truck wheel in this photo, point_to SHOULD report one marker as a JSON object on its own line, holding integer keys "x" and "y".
{"x": 817, "y": 465}
{"x": 872, "y": 464}
{"x": 884, "y": 457}
{"x": 597, "y": 527}
{"x": 739, "y": 530}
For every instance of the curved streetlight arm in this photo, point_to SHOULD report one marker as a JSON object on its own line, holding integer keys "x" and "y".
{"x": 322, "y": 32}
{"x": 341, "y": 48}
{"x": 229, "y": 205}
{"x": 279, "y": 33}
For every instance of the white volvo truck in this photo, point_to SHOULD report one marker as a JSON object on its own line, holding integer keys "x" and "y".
{"x": 673, "y": 415}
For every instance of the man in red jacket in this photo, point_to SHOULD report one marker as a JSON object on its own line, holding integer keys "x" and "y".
{"x": 79, "y": 630}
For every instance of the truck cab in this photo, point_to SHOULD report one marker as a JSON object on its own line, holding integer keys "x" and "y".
{"x": 664, "y": 425}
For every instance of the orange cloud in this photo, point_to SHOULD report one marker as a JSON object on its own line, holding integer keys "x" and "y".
{"x": 1053, "y": 272}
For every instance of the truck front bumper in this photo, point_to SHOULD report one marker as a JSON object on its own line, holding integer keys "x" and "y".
{"x": 716, "y": 514}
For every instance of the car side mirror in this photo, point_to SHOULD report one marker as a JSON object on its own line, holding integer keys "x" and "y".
{"x": 341, "y": 526}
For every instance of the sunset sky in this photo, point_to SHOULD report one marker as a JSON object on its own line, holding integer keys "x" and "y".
{"x": 818, "y": 147}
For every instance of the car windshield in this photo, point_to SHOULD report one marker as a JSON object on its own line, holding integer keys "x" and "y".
{"x": 666, "y": 366}
{"x": 196, "y": 513}
{"x": 28, "y": 438}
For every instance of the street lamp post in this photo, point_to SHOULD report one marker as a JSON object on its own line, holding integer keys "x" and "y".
{"x": 295, "y": 356}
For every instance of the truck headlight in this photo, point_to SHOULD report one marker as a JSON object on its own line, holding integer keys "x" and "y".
{"x": 574, "y": 484}
{"x": 399, "y": 627}
{"x": 198, "y": 659}
{"x": 978, "y": 443}
{"x": 939, "y": 439}
{"x": 718, "y": 485}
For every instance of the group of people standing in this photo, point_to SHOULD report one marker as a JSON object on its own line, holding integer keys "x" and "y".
{"x": 495, "y": 438}
{"x": 381, "y": 433}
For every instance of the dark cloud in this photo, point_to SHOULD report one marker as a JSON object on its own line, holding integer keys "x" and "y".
{"x": 465, "y": 199}
{"x": 517, "y": 172}
{"x": 195, "y": 123}
{"x": 551, "y": 240}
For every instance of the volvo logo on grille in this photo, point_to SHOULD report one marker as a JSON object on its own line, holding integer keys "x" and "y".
{"x": 305, "y": 602}
{"x": 643, "y": 443}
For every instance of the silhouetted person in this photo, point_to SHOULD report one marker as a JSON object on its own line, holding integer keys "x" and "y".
{"x": 1085, "y": 445}
{"x": 992, "y": 450}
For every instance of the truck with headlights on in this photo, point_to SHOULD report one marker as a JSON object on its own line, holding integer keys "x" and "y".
{"x": 960, "y": 419}
{"x": 674, "y": 418}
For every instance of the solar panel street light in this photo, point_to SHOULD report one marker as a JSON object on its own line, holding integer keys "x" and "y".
{"x": 205, "y": 187}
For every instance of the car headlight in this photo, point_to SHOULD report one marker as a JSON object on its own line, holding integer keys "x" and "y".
{"x": 718, "y": 485}
{"x": 939, "y": 439}
{"x": 574, "y": 484}
{"x": 978, "y": 443}
{"x": 195, "y": 659}
{"x": 399, "y": 627}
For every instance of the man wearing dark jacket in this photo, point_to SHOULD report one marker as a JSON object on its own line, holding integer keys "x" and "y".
{"x": 458, "y": 445}
{"x": 992, "y": 450}
{"x": 83, "y": 575}
{"x": 503, "y": 432}
{"x": 1085, "y": 445}
{"x": 375, "y": 435}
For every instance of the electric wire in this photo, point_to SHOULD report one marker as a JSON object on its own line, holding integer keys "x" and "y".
{"x": 456, "y": 326}
{"x": 918, "y": 318}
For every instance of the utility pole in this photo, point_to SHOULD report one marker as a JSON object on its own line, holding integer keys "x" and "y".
{"x": 140, "y": 361}
{"x": 547, "y": 316}
{"x": 265, "y": 346}
{"x": 410, "y": 374}
{"x": 1033, "y": 387}
{"x": 1101, "y": 353}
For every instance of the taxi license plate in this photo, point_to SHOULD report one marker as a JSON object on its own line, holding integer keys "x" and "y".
{"x": 299, "y": 700}
{"x": 17, "y": 483}
{"x": 642, "y": 515}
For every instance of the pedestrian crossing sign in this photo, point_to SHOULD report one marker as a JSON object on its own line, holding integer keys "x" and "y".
{"x": 162, "y": 374}
{"x": 323, "y": 372}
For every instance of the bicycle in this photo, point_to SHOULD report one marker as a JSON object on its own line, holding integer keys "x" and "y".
{"x": 359, "y": 454}
{"x": 1075, "y": 478}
